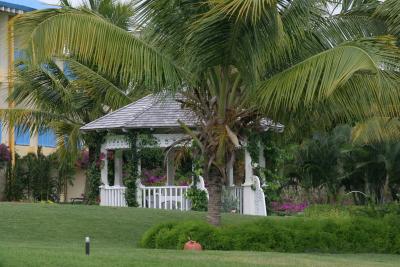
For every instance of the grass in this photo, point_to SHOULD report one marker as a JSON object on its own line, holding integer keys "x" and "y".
{"x": 53, "y": 235}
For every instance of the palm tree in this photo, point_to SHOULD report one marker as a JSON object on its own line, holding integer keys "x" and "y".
{"x": 235, "y": 62}
{"x": 385, "y": 156}
{"x": 66, "y": 94}
{"x": 118, "y": 13}
{"x": 319, "y": 161}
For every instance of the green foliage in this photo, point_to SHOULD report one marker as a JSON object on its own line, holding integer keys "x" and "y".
{"x": 130, "y": 194}
{"x": 341, "y": 211}
{"x": 198, "y": 199}
{"x": 14, "y": 182}
{"x": 35, "y": 177}
{"x": 93, "y": 182}
{"x": 175, "y": 235}
{"x": 295, "y": 234}
{"x": 132, "y": 165}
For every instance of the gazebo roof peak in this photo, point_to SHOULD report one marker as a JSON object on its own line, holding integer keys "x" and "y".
{"x": 152, "y": 111}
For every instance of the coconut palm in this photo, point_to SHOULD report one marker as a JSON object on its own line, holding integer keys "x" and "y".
{"x": 49, "y": 92}
{"x": 58, "y": 95}
{"x": 235, "y": 62}
{"x": 118, "y": 13}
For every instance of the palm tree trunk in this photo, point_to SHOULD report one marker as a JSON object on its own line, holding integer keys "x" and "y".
{"x": 215, "y": 197}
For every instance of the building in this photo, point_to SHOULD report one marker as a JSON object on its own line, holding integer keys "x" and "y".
{"x": 24, "y": 143}
{"x": 161, "y": 115}
{"x": 21, "y": 142}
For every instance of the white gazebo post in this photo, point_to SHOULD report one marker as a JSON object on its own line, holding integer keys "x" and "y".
{"x": 253, "y": 195}
{"x": 118, "y": 168}
{"x": 170, "y": 167}
{"x": 248, "y": 196}
{"x": 230, "y": 170}
{"x": 103, "y": 177}
{"x": 104, "y": 168}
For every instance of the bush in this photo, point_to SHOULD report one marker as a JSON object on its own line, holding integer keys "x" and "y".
{"x": 198, "y": 198}
{"x": 175, "y": 235}
{"x": 291, "y": 234}
{"x": 340, "y": 211}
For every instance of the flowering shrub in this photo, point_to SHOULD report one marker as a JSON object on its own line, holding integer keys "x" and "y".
{"x": 288, "y": 208}
{"x": 152, "y": 179}
{"x": 83, "y": 160}
{"x": 5, "y": 155}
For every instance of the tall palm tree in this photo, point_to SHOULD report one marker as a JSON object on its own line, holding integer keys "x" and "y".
{"x": 65, "y": 94}
{"x": 235, "y": 62}
{"x": 52, "y": 89}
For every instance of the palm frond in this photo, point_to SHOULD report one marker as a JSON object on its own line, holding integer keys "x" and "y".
{"x": 390, "y": 11}
{"x": 318, "y": 78}
{"x": 90, "y": 38}
{"x": 96, "y": 86}
{"x": 243, "y": 9}
{"x": 37, "y": 119}
{"x": 375, "y": 130}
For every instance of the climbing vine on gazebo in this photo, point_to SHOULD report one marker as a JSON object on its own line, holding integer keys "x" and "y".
{"x": 132, "y": 170}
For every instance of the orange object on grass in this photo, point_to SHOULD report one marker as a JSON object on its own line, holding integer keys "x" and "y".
{"x": 192, "y": 245}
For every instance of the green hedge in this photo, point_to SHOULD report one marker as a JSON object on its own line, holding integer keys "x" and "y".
{"x": 291, "y": 234}
{"x": 341, "y": 211}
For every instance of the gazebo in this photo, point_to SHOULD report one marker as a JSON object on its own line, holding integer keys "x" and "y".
{"x": 160, "y": 115}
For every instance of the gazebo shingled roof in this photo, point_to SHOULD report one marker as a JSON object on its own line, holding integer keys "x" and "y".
{"x": 152, "y": 111}
{"x": 156, "y": 111}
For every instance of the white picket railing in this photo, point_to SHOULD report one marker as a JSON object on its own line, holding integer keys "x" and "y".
{"x": 113, "y": 196}
{"x": 237, "y": 193}
{"x": 165, "y": 197}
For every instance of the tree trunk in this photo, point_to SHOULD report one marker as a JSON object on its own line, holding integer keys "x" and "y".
{"x": 386, "y": 195}
{"x": 215, "y": 197}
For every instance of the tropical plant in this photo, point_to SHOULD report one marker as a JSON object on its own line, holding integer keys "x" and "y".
{"x": 319, "y": 161}
{"x": 375, "y": 165}
{"x": 65, "y": 94}
{"x": 234, "y": 62}
{"x": 118, "y": 13}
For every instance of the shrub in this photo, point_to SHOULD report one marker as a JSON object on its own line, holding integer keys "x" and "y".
{"x": 340, "y": 211}
{"x": 175, "y": 235}
{"x": 291, "y": 234}
{"x": 198, "y": 198}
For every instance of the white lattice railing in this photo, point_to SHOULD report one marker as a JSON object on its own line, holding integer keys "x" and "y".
{"x": 113, "y": 196}
{"x": 165, "y": 197}
{"x": 156, "y": 197}
{"x": 237, "y": 193}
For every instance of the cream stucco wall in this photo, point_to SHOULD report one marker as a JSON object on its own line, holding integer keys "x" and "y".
{"x": 78, "y": 187}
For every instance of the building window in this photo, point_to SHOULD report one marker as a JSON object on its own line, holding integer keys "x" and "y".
{"x": 47, "y": 138}
{"x": 22, "y": 136}
{"x": 68, "y": 73}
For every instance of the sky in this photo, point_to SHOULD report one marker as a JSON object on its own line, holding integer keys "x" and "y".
{"x": 57, "y": 1}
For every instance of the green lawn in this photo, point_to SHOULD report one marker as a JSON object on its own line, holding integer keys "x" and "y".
{"x": 53, "y": 235}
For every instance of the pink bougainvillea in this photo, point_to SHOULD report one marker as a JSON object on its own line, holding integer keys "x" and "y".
{"x": 150, "y": 179}
{"x": 83, "y": 160}
{"x": 288, "y": 208}
{"x": 5, "y": 154}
